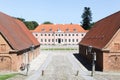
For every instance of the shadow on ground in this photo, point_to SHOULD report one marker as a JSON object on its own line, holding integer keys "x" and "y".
{"x": 83, "y": 61}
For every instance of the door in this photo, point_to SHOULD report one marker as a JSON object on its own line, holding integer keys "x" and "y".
{"x": 59, "y": 40}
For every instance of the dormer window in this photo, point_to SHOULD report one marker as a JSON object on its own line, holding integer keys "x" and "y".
{"x": 67, "y": 29}
{"x": 43, "y": 29}
{"x": 50, "y": 30}
{"x": 74, "y": 30}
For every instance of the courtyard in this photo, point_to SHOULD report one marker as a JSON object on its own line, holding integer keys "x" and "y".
{"x": 56, "y": 63}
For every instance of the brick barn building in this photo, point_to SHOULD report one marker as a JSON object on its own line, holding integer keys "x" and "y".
{"x": 59, "y": 33}
{"x": 104, "y": 38}
{"x": 17, "y": 45}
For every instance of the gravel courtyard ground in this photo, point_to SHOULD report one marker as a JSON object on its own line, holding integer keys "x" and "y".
{"x": 61, "y": 65}
{"x": 60, "y": 68}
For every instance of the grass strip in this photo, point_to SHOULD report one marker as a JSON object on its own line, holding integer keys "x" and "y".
{"x": 6, "y": 76}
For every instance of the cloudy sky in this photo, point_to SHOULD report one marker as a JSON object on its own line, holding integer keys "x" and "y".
{"x": 58, "y": 11}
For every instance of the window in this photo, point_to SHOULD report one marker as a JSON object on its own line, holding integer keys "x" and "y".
{"x": 76, "y": 40}
{"x": 72, "y": 40}
{"x": 82, "y": 34}
{"x": 41, "y": 40}
{"x": 43, "y": 29}
{"x": 36, "y": 34}
{"x": 72, "y": 34}
{"x": 41, "y": 34}
{"x": 61, "y": 40}
{"x": 69, "y": 40}
{"x": 52, "y": 34}
{"x": 74, "y": 30}
{"x": 62, "y": 34}
{"x": 50, "y": 29}
{"x": 59, "y": 34}
{"x": 3, "y": 47}
{"x": 52, "y": 40}
{"x": 45, "y": 40}
{"x": 69, "y": 34}
{"x": 48, "y": 40}
{"x": 65, "y": 34}
{"x": 67, "y": 29}
{"x": 48, "y": 34}
{"x": 56, "y": 34}
{"x": 76, "y": 34}
{"x": 45, "y": 34}
{"x": 65, "y": 40}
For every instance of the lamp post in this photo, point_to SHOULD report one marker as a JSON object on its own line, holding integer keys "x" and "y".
{"x": 28, "y": 64}
{"x": 93, "y": 59}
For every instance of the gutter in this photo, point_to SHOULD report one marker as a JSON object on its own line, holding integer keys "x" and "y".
{"x": 13, "y": 51}
{"x": 105, "y": 50}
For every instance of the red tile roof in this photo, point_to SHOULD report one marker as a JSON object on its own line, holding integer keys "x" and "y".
{"x": 16, "y": 33}
{"x": 62, "y": 27}
{"x": 28, "y": 33}
{"x": 102, "y": 32}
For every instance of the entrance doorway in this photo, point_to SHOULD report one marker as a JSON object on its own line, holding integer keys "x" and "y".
{"x": 59, "y": 40}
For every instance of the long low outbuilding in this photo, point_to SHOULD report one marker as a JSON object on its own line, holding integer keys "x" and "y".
{"x": 17, "y": 44}
{"x": 104, "y": 40}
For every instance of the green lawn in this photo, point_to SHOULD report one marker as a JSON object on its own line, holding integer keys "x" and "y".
{"x": 6, "y": 76}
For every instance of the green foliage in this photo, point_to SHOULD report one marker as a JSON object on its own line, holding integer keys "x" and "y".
{"x": 87, "y": 18}
{"x": 21, "y": 19}
{"x": 35, "y": 24}
{"x": 92, "y": 24}
{"x": 47, "y": 22}
{"x": 31, "y": 25}
{"x": 4, "y": 77}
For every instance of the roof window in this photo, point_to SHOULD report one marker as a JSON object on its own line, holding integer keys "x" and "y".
{"x": 50, "y": 29}
{"x": 74, "y": 30}
{"x": 43, "y": 29}
{"x": 67, "y": 29}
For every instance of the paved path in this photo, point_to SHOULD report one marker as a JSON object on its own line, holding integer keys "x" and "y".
{"x": 60, "y": 65}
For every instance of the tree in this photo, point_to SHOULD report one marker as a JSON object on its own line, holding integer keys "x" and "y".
{"x": 31, "y": 25}
{"x": 86, "y": 18}
{"x": 35, "y": 24}
{"x": 21, "y": 19}
{"x": 47, "y": 22}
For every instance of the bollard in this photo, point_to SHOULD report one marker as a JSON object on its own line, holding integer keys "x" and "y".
{"x": 42, "y": 72}
{"x": 77, "y": 73}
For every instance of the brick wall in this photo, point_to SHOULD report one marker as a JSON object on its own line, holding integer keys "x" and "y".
{"x": 99, "y": 56}
{"x": 111, "y": 62}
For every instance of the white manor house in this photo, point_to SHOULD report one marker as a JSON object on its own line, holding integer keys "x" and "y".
{"x": 50, "y": 34}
